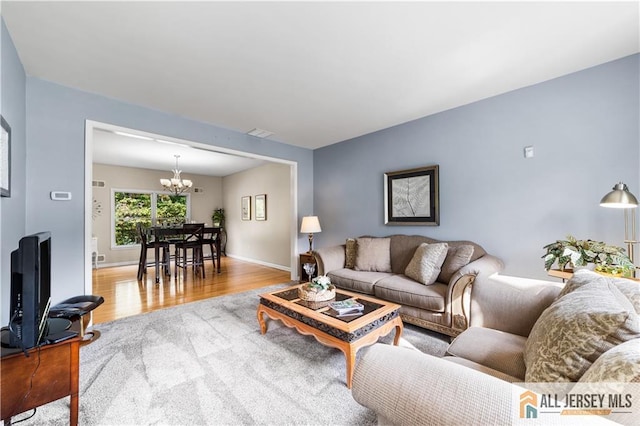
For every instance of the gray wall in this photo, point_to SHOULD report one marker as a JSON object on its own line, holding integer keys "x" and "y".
{"x": 12, "y": 210}
{"x": 56, "y": 128}
{"x": 585, "y": 131}
{"x": 264, "y": 242}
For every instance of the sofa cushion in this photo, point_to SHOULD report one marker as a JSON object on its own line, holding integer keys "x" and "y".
{"x": 373, "y": 254}
{"x": 359, "y": 281}
{"x": 483, "y": 369}
{"x": 426, "y": 262}
{"x": 577, "y": 328}
{"x": 405, "y": 291}
{"x": 457, "y": 257}
{"x": 620, "y": 364}
{"x": 492, "y": 348}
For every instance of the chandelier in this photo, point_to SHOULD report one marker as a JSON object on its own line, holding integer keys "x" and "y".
{"x": 177, "y": 185}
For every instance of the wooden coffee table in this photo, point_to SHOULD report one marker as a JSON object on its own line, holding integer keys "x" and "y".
{"x": 318, "y": 320}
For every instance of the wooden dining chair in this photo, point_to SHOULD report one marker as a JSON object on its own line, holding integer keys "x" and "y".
{"x": 159, "y": 247}
{"x": 193, "y": 235}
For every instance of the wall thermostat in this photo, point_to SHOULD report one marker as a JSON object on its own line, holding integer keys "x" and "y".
{"x": 60, "y": 196}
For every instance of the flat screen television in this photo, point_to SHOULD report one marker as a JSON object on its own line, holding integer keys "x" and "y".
{"x": 30, "y": 290}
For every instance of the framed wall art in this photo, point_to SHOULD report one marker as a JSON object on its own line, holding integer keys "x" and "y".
{"x": 261, "y": 207}
{"x": 245, "y": 206}
{"x": 5, "y": 159}
{"x": 411, "y": 197}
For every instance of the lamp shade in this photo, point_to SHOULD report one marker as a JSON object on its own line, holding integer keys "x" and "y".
{"x": 619, "y": 198}
{"x": 310, "y": 225}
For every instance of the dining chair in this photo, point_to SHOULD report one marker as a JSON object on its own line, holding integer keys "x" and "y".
{"x": 156, "y": 245}
{"x": 209, "y": 239}
{"x": 193, "y": 235}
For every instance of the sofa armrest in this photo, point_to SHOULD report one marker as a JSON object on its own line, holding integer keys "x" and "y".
{"x": 330, "y": 258}
{"x": 405, "y": 386}
{"x": 510, "y": 304}
{"x": 459, "y": 292}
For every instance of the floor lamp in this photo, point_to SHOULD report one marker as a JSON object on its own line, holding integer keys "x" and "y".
{"x": 621, "y": 198}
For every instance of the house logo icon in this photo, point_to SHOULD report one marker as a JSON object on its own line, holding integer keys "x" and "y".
{"x": 528, "y": 405}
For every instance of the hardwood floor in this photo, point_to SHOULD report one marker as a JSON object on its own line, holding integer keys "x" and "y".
{"x": 125, "y": 296}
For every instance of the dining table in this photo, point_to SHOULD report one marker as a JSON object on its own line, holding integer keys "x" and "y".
{"x": 169, "y": 232}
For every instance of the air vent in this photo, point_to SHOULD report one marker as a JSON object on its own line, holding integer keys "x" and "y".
{"x": 260, "y": 133}
{"x": 98, "y": 184}
{"x": 198, "y": 189}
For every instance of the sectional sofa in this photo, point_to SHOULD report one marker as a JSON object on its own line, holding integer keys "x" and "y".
{"x": 431, "y": 279}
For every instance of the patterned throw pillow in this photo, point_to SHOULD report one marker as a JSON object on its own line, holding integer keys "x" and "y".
{"x": 350, "y": 252}
{"x": 620, "y": 365}
{"x": 373, "y": 254}
{"x": 425, "y": 265}
{"x": 577, "y": 329}
{"x": 457, "y": 257}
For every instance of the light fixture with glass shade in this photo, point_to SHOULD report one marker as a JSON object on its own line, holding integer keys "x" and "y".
{"x": 310, "y": 225}
{"x": 621, "y": 198}
{"x": 177, "y": 185}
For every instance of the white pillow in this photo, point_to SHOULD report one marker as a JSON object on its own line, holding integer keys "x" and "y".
{"x": 427, "y": 260}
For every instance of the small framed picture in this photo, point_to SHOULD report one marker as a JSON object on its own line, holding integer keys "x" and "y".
{"x": 5, "y": 159}
{"x": 411, "y": 197}
{"x": 261, "y": 207}
{"x": 245, "y": 206}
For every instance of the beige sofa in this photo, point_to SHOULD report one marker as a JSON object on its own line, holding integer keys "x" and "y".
{"x": 522, "y": 330}
{"x": 377, "y": 266}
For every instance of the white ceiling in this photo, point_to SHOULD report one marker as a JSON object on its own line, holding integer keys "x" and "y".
{"x": 314, "y": 73}
{"x": 159, "y": 154}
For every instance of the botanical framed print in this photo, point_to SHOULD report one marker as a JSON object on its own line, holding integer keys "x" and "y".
{"x": 245, "y": 205}
{"x": 261, "y": 207}
{"x": 5, "y": 159}
{"x": 411, "y": 197}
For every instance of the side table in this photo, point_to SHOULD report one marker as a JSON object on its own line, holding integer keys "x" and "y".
{"x": 307, "y": 258}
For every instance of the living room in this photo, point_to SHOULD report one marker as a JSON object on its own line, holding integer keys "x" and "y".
{"x": 582, "y": 124}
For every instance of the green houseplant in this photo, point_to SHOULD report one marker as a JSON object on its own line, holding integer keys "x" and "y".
{"x": 580, "y": 253}
{"x": 217, "y": 217}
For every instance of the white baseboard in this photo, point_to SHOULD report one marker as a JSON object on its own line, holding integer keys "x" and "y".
{"x": 245, "y": 259}
{"x": 260, "y": 262}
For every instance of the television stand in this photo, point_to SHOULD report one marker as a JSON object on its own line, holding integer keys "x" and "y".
{"x": 57, "y": 376}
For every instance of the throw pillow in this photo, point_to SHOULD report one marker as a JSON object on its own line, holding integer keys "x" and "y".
{"x": 576, "y": 329}
{"x": 427, "y": 260}
{"x": 457, "y": 257}
{"x": 584, "y": 276}
{"x": 350, "y": 252}
{"x": 373, "y": 254}
{"x": 620, "y": 365}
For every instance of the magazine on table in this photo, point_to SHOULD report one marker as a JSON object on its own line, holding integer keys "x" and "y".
{"x": 347, "y": 307}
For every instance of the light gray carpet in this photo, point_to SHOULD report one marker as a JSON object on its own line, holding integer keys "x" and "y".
{"x": 207, "y": 363}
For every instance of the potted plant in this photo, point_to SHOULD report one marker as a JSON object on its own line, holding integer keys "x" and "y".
{"x": 580, "y": 253}
{"x": 218, "y": 218}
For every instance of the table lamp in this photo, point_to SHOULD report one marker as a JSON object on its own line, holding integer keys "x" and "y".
{"x": 621, "y": 198}
{"x": 310, "y": 225}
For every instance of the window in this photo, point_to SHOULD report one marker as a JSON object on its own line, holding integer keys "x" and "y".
{"x": 133, "y": 207}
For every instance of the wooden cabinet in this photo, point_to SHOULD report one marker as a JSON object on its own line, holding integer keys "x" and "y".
{"x": 50, "y": 372}
{"x": 307, "y": 258}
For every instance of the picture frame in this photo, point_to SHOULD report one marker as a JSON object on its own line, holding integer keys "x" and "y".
{"x": 5, "y": 159}
{"x": 261, "y": 207}
{"x": 245, "y": 207}
{"x": 411, "y": 197}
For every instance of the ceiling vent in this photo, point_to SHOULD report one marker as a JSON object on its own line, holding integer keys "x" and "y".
{"x": 260, "y": 133}
{"x": 98, "y": 183}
